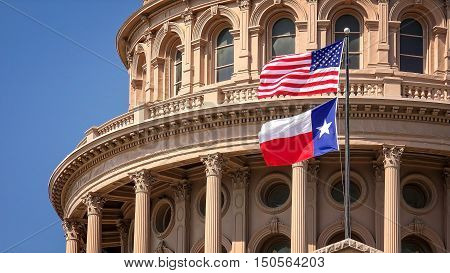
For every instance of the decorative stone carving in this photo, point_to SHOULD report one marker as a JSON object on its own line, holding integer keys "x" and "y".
{"x": 123, "y": 226}
{"x": 188, "y": 16}
{"x": 214, "y": 10}
{"x": 240, "y": 179}
{"x": 244, "y": 4}
{"x": 313, "y": 170}
{"x": 182, "y": 191}
{"x": 391, "y": 156}
{"x": 447, "y": 177}
{"x": 142, "y": 180}
{"x": 73, "y": 229}
{"x": 274, "y": 225}
{"x": 417, "y": 226}
{"x": 348, "y": 246}
{"x": 379, "y": 171}
{"x": 162, "y": 248}
{"x": 94, "y": 203}
{"x": 214, "y": 164}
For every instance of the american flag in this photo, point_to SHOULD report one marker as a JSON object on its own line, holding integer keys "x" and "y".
{"x": 302, "y": 74}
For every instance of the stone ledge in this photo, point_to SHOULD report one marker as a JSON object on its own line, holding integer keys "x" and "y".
{"x": 348, "y": 246}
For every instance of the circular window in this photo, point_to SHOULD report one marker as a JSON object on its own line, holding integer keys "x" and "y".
{"x": 414, "y": 244}
{"x": 273, "y": 193}
{"x": 276, "y": 244}
{"x": 162, "y": 216}
{"x": 201, "y": 202}
{"x": 276, "y": 194}
{"x": 334, "y": 191}
{"x": 337, "y": 192}
{"x": 419, "y": 194}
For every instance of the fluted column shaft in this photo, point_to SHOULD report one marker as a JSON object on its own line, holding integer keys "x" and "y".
{"x": 94, "y": 205}
{"x": 240, "y": 180}
{"x": 123, "y": 227}
{"x": 298, "y": 211}
{"x": 73, "y": 231}
{"x": 213, "y": 217}
{"x": 142, "y": 185}
{"x": 392, "y": 240}
{"x": 182, "y": 211}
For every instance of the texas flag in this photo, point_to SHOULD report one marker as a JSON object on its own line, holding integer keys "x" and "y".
{"x": 290, "y": 140}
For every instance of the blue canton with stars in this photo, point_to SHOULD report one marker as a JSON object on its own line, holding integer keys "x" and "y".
{"x": 329, "y": 56}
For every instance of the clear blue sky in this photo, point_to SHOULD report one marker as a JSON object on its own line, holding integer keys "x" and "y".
{"x": 52, "y": 91}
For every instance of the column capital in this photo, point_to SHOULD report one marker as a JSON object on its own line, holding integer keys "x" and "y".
{"x": 188, "y": 16}
{"x": 301, "y": 164}
{"x": 378, "y": 169}
{"x": 94, "y": 203}
{"x": 143, "y": 180}
{"x": 123, "y": 226}
{"x": 391, "y": 155}
{"x": 73, "y": 229}
{"x": 214, "y": 164}
{"x": 240, "y": 179}
{"x": 313, "y": 170}
{"x": 182, "y": 190}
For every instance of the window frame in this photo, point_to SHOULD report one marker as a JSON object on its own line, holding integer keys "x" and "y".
{"x": 424, "y": 44}
{"x": 173, "y": 73}
{"x": 360, "y": 20}
{"x": 215, "y": 47}
{"x": 271, "y": 22}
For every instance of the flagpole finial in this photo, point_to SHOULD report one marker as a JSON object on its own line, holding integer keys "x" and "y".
{"x": 346, "y": 30}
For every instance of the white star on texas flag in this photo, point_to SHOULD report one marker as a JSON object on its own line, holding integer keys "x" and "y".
{"x": 325, "y": 128}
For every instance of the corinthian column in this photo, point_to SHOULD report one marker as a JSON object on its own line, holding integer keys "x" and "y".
{"x": 213, "y": 217}
{"x": 142, "y": 185}
{"x": 72, "y": 231}
{"x": 94, "y": 204}
{"x": 240, "y": 203}
{"x": 298, "y": 212}
{"x": 391, "y": 159}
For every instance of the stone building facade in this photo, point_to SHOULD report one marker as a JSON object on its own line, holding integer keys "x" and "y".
{"x": 181, "y": 171}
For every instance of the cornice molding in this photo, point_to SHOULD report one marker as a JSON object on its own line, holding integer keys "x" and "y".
{"x": 158, "y": 128}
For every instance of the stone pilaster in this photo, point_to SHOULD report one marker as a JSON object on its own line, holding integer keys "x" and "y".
{"x": 143, "y": 181}
{"x": 158, "y": 65}
{"x": 243, "y": 56}
{"x": 311, "y": 205}
{"x": 383, "y": 33}
{"x": 213, "y": 218}
{"x": 123, "y": 226}
{"x": 198, "y": 49}
{"x": 312, "y": 25}
{"x": 73, "y": 231}
{"x": 379, "y": 204}
{"x": 240, "y": 180}
{"x": 94, "y": 203}
{"x": 257, "y": 59}
{"x": 447, "y": 208}
{"x": 391, "y": 159}
{"x": 298, "y": 210}
{"x": 188, "y": 17}
{"x": 182, "y": 215}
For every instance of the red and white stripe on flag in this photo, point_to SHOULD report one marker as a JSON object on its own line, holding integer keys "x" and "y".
{"x": 302, "y": 74}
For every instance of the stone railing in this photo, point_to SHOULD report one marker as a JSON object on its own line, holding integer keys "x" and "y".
{"x": 425, "y": 91}
{"x": 176, "y": 105}
{"x": 116, "y": 123}
{"x": 248, "y": 93}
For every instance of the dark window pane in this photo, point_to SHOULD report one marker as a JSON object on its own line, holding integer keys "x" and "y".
{"x": 337, "y": 192}
{"x": 283, "y": 27}
{"x": 414, "y": 244}
{"x": 354, "y": 41}
{"x": 411, "y": 45}
{"x": 283, "y": 46}
{"x": 178, "y": 56}
{"x": 411, "y": 64}
{"x": 347, "y": 21}
{"x": 353, "y": 61}
{"x": 224, "y": 38}
{"x": 276, "y": 195}
{"x": 415, "y": 195}
{"x": 224, "y": 73}
{"x": 225, "y": 56}
{"x": 411, "y": 27}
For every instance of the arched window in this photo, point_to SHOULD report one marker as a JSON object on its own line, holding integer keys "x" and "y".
{"x": 414, "y": 244}
{"x": 177, "y": 72}
{"x": 283, "y": 37}
{"x": 224, "y": 56}
{"x": 276, "y": 244}
{"x": 349, "y": 21}
{"x": 411, "y": 46}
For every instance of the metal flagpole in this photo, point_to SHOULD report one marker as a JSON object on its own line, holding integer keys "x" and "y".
{"x": 347, "y": 141}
